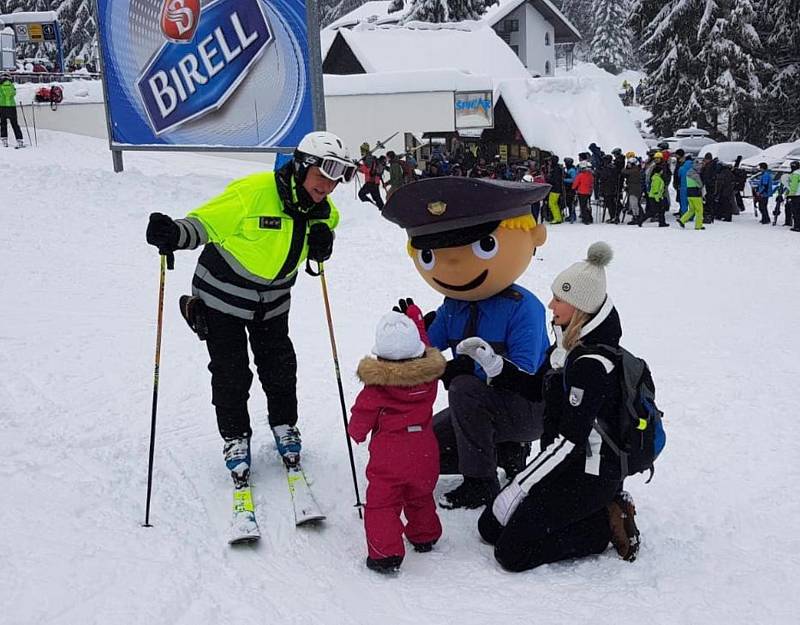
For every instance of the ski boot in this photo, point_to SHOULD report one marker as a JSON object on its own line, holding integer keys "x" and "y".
{"x": 237, "y": 459}
{"x": 385, "y": 565}
{"x": 423, "y": 547}
{"x": 5, "y": 142}
{"x": 473, "y": 492}
{"x": 624, "y": 533}
{"x": 287, "y": 440}
{"x": 20, "y": 144}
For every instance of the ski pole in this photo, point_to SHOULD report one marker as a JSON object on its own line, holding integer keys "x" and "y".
{"x": 33, "y": 115}
{"x": 167, "y": 260}
{"x": 25, "y": 119}
{"x": 321, "y": 271}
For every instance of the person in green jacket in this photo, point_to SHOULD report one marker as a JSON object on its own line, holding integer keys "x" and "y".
{"x": 656, "y": 206}
{"x": 8, "y": 110}
{"x": 256, "y": 235}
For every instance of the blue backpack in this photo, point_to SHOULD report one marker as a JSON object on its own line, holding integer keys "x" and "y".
{"x": 640, "y": 437}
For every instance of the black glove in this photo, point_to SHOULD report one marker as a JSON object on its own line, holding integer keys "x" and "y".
{"x": 320, "y": 242}
{"x": 193, "y": 310}
{"x": 460, "y": 365}
{"x": 163, "y": 232}
{"x": 402, "y": 307}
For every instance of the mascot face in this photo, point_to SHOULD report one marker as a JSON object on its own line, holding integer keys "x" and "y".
{"x": 481, "y": 269}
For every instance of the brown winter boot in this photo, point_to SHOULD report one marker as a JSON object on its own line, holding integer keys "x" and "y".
{"x": 624, "y": 533}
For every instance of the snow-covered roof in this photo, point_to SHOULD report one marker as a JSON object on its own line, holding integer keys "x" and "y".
{"x": 29, "y": 17}
{"x": 565, "y": 115}
{"x": 405, "y": 82}
{"x": 377, "y": 12}
{"x": 469, "y": 47}
{"x": 728, "y": 151}
{"x": 563, "y": 29}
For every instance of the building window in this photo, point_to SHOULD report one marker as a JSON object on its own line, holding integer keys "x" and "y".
{"x": 547, "y": 39}
{"x": 547, "y": 68}
{"x": 511, "y": 26}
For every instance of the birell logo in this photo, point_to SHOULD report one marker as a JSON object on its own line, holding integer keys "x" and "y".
{"x": 179, "y": 19}
{"x": 183, "y": 82}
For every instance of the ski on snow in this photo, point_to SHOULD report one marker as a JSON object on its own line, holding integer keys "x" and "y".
{"x": 244, "y": 527}
{"x": 306, "y": 508}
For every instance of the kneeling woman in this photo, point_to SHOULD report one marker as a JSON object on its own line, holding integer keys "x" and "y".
{"x": 568, "y": 501}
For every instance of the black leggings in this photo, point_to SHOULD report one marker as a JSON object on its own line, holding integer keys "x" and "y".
{"x": 231, "y": 376}
{"x": 9, "y": 113}
{"x": 371, "y": 189}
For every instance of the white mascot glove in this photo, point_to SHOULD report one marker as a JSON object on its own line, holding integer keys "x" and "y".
{"x": 481, "y": 352}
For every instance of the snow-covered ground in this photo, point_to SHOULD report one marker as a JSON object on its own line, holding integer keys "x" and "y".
{"x": 715, "y": 314}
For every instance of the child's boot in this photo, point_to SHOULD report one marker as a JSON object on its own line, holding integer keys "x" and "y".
{"x": 385, "y": 565}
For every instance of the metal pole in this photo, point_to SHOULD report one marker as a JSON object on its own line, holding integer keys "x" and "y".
{"x": 315, "y": 65}
{"x": 166, "y": 259}
{"x": 321, "y": 271}
{"x": 25, "y": 119}
{"x": 33, "y": 115}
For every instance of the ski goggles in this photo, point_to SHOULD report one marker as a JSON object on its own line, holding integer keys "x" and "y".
{"x": 333, "y": 168}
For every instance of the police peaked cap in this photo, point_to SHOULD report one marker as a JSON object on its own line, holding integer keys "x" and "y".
{"x": 452, "y": 211}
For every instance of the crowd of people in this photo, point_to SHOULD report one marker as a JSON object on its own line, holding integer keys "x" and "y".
{"x": 615, "y": 188}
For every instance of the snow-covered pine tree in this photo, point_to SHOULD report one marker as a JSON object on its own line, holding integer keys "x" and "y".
{"x": 640, "y": 15}
{"x": 730, "y": 90}
{"x": 438, "y": 11}
{"x": 78, "y": 28}
{"x": 777, "y": 25}
{"x": 611, "y": 45}
{"x": 581, "y": 14}
{"x": 396, "y": 5}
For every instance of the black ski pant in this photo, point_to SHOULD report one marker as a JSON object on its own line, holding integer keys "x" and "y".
{"x": 9, "y": 114}
{"x": 654, "y": 209}
{"x": 231, "y": 376}
{"x": 586, "y": 209}
{"x": 569, "y": 202}
{"x": 793, "y": 205}
{"x": 610, "y": 205}
{"x": 478, "y": 418}
{"x": 762, "y": 208}
{"x": 371, "y": 190}
{"x": 564, "y": 518}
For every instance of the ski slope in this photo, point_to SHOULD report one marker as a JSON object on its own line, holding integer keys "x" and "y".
{"x": 714, "y": 312}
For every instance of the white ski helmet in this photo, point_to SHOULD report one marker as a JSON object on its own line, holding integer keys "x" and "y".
{"x": 326, "y": 151}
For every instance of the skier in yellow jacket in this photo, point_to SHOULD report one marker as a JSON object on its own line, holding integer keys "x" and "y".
{"x": 256, "y": 234}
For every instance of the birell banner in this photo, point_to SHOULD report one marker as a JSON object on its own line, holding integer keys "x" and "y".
{"x": 222, "y": 73}
{"x": 473, "y": 109}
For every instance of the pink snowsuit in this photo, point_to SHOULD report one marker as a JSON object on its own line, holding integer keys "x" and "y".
{"x": 396, "y": 405}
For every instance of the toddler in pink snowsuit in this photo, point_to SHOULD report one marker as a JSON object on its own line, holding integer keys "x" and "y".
{"x": 396, "y": 405}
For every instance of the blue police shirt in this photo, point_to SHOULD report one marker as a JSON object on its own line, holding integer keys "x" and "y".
{"x": 512, "y": 322}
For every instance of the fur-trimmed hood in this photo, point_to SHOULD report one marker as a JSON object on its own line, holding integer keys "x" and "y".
{"x": 374, "y": 372}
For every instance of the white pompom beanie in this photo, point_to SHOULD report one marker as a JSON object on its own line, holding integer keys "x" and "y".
{"x": 397, "y": 338}
{"x": 584, "y": 284}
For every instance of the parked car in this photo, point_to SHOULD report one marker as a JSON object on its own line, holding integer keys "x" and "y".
{"x": 727, "y": 152}
{"x": 690, "y": 140}
{"x": 777, "y": 157}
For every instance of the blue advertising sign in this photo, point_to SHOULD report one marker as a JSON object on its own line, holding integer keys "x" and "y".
{"x": 226, "y": 73}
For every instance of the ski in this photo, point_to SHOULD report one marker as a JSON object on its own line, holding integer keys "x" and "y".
{"x": 306, "y": 508}
{"x": 244, "y": 528}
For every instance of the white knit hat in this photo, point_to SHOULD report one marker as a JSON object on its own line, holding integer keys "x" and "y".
{"x": 584, "y": 284}
{"x": 397, "y": 338}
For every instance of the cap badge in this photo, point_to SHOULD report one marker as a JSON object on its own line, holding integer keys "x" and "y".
{"x": 566, "y": 287}
{"x": 437, "y": 208}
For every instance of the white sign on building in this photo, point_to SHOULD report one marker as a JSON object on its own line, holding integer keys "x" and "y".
{"x": 473, "y": 109}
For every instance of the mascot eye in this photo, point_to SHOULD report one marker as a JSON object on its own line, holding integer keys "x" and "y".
{"x": 427, "y": 259}
{"x": 486, "y": 248}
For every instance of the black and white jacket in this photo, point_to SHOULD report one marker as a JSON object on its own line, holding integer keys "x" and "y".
{"x": 579, "y": 387}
